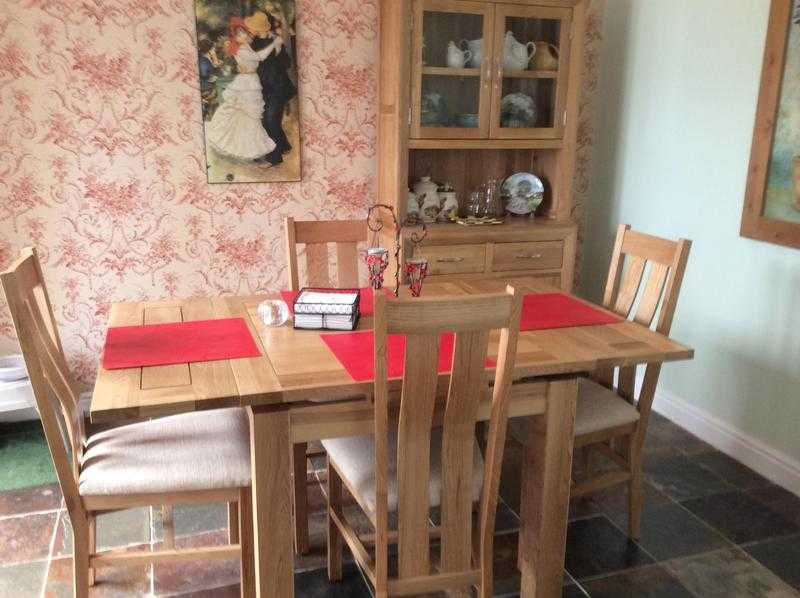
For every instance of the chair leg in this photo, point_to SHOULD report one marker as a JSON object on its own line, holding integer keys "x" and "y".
{"x": 486, "y": 588}
{"x": 635, "y": 498}
{"x": 245, "y": 519}
{"x": 92, "y": 521}
{"x": 233, "y": 523}
{"x": 82, "y": 542}
{"x": 169, "y": 526}
{"x": 334, "y": 536}
{"x": 300, "y": 498}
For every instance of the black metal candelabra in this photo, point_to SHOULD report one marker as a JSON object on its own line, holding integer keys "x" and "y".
{"x": 375, "y": 223}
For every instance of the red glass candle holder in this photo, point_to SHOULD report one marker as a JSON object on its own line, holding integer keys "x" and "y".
{"x": 377, "y": 260}
{"x": 416, "y": 270}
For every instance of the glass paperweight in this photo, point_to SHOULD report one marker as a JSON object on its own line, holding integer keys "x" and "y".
{"x": 273, "y": 312}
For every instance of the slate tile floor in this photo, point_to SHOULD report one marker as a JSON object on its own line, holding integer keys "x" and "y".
{"x": 711, "y": 528}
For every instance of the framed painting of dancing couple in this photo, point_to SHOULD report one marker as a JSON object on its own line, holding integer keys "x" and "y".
{"x": 772, "y": 202}
{"x": 247, "y": 61}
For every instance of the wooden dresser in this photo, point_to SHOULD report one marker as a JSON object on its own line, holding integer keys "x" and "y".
{"x": 452, "y": 123}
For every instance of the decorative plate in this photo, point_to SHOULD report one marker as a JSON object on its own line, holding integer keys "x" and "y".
{"x": 523, "y": 192}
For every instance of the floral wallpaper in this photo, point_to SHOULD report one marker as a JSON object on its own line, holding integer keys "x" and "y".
{"x": 101, "y": 155}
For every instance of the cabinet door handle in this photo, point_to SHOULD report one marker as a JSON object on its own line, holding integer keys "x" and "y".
{"x": 450, "y": 260}
{"x": 525, "y": 256}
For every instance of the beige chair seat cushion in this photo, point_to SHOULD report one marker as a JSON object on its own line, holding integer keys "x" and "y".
{"x": 207, "y": 450}
{"x": 354, "y": 458}
{"x": 598, "y": 409}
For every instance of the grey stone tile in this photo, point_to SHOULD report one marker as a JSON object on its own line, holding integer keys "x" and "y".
{"x": 781, "y": 556}
{"x": 726, "y": 574}
{"x": 740, "y": 518}
{"x": 649, "y": 582}
{"x": 596, "y": 547}
{"x": 315, "y": 584}
{"x": 193, "y": 519}
{"x": 121, "y": 528}
{"x": 680, "y": 478}
{"x": 669, "y": 531}
{"x": 24, "y": 580}
{"x": 730, "y": 470}
{"x": 780, "y": 501}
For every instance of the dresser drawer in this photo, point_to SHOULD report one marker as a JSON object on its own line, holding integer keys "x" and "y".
{"x": 542, "y": 255}
{"x": 453, "y": 259}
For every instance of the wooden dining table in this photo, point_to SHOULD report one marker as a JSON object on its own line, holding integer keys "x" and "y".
{"x": 297, "y": 391}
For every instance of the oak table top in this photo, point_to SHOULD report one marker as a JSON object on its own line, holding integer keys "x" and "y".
{"x": 297, "y": 365}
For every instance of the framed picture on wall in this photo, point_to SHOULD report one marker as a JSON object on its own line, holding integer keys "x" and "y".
{"x": 247, "y": 62}
{"x": 772, "y": 201}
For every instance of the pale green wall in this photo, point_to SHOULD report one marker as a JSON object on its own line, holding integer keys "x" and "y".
{"x": 679, "y": 87}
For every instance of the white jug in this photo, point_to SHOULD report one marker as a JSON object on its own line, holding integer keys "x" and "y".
{"x": 456, "y": 59}
{"x": 475, "y": 48}
{"x": 517, "y": 56}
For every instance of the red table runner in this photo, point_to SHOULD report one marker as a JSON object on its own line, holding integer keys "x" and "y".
{"x": 355, "y": 351}
{"x": 366, "y": 302}
{"x": 546, "y": 311}
{"x": 181, "y": 342}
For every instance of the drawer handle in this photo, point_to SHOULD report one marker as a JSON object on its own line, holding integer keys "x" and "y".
{"x": 524, "y": 256}
{"x": 450, "y": 260}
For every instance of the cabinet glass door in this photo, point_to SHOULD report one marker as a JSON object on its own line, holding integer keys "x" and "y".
{"x": 452, "y": 56}
{"x": 531, "y": 61}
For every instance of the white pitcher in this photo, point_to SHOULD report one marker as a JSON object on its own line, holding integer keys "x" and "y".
{"x": 517, "y": 56}
{"x": 475, "y": 48}
{"x": 456, "y": 59}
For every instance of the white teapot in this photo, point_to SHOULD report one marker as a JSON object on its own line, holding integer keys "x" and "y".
{"x": 475, "y": 48}
{"x": 457, "y": 59}
{"x": 517, "y": 56}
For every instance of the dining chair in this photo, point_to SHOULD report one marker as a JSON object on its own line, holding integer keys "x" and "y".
{"x": 182, "y": 459}
{"x": 644, "y": 281}
{"x": 315, "y": 235}
{"x": 424, "y": 454}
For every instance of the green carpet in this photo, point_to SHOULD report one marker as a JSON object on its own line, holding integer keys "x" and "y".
{"x": 24, "y": 457}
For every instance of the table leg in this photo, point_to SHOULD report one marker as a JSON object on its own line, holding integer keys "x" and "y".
{"x": 271, "y": 462}
{"x": 547, "y": 473}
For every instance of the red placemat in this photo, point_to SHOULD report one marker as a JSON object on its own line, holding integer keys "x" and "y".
{"x": 555, "y": 310}
{"x": 366, "y": 302}
{"x": 355, "y": 351}
{"x": 181, "y": 342}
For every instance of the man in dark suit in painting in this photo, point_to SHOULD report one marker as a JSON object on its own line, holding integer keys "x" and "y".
{"x": 276, "y": 85}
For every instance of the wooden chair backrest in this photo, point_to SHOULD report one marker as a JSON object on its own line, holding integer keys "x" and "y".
{"x": 661, "y": 285}
{"x": 422, "y": 321}
{"x": 316, "y": 235}
{"x": 56, "y": 394}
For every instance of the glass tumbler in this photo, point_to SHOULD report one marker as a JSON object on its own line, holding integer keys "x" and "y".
{"x": 273, "y": 312}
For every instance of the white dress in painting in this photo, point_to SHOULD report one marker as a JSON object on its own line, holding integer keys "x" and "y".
{"x": 235, "y": 129}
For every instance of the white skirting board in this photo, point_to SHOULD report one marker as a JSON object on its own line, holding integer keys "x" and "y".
{"x": 777, "y": 467}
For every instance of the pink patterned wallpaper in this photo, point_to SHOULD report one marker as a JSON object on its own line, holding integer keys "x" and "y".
{"x": 101, "y": 155}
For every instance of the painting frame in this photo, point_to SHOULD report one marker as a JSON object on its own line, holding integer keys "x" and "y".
{"x": 755, "y": 225}
{"x": 273, "y": 155}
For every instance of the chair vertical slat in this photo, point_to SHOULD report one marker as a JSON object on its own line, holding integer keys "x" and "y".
{"x": 317, "y": 271}
{"x": 615, "y": 270}
{"x": 629, "y": 288}
{"x": 347, "y": 265}
{"x": 468, "y": 382}
{"x": 290, "y": 240}
{"x": 413, "y": 453}
{"x": 651, "y": 296}
{"x": 381, "y": 398}
{"x": 673, "y": 287}
{"x": 495, "y": 444}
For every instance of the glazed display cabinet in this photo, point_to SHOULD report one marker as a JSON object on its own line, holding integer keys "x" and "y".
{"x": 478, "y": 90}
